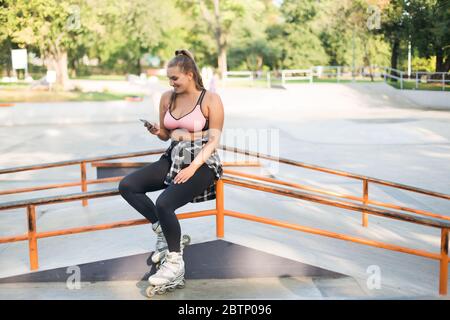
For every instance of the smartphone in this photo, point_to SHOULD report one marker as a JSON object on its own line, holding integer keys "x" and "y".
{"x": 148, "y": 124}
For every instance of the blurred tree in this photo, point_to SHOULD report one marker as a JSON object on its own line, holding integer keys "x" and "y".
{"x": 216, "y": 18}
{"x": 352, "y": 36}
{"x": 65, "y": 31}
{"x": 440, "y": 29}
{"x": 49, "y": 25}
{"x": 430, "y": 30}
{"x": 296, "y": 36}
{"x": 393, "y": 26}
{"x": 251, "y": 34}
{"x": 5, "y": 40}
{"x": 249, "y": 45}
{"x": 128, "y": 30}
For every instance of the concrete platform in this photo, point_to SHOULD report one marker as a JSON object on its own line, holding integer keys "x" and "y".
{"x": 214, "y": 270}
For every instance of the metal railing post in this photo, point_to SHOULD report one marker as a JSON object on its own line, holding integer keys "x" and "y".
{"x": 443, "y": 269}
{"x": 83, "y": 181}
{"x": 417, "y": 80}
{"x": 443, "y": 81}
{"x": 220, "y": 216}
{"x": 32, "y": 240}
{"x": 365, "y": 216}
{"x": 401, "y": 80}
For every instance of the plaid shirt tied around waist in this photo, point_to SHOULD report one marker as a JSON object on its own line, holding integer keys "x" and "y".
{"x": 183, "y": 153}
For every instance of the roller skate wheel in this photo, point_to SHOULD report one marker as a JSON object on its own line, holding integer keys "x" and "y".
{"x": 157, "y": 257}
{"x": 150, "y": 292}
{"x": 181, "y": 285}
{"x": 186, "y": 239}
{"x": 161, "y": 291}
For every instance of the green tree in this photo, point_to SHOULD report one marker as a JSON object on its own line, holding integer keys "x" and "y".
{"x": 352, "y": 36}
{"x": 393, "y": 27}
{"x": 297, "y": 36}
{"x": 5, "y": 40}
{"x": 249, "y": 45}
{"x": 430, "y": 30}
{"x": 215, "y": 18}
{"x": 49, "y": 25}
{"x": 64, "y": 31}
{"x": 122, "y": 32}
{"x": 424, "y": 23}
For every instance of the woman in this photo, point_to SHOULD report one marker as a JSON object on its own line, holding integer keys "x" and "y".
{"x": 193, "y": 119}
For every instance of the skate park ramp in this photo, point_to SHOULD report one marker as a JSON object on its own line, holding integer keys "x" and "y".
{"x": 214, "y": 270}
{"x": 369, "y": 95}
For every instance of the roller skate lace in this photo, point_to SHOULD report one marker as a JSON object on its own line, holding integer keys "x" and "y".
{"x": 161, "y": 242}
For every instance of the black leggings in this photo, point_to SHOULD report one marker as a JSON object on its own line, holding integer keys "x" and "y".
{"x": 151, "y": 178}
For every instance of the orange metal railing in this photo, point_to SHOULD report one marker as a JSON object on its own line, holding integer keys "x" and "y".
{"x": 284, "y": 188}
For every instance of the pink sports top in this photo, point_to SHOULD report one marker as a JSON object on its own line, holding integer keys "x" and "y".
{"x": 192, "y": 121}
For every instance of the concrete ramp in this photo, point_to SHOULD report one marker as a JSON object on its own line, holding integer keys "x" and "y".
{"x": 210, "y": 260}
{"x": 377, "y": 94}
{"x": 214, "y": 270}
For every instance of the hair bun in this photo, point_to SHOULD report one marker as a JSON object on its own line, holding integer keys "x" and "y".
{"x": 184, "y": 52}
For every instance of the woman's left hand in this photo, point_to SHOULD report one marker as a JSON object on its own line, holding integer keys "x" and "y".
{"x": 184, "y": 174}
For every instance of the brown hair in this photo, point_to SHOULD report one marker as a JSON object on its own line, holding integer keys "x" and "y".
{"x": 185, "y": 61}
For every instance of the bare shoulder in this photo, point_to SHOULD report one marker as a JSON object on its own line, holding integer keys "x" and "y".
{"x": 213, "y": 99}
{"x": 165, "y": 98}
{"x": 166, "y": 95}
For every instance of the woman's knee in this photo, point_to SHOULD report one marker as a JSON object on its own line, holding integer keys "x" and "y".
{"x": 163, "y": 204}
{"x": 125, "y": 186}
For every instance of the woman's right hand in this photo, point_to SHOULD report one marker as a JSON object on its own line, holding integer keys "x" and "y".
{"x": 153, "y": 129}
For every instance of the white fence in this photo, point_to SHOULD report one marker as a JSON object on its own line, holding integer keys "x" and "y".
{"x": 238, "y": 75}
{"x": 334, "y": 73}
{"x": 340, "y": 73}
{"x": 298, "y": 74}
{"x": 417, "y": 77}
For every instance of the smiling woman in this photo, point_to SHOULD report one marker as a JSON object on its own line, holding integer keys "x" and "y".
{"x": 188, "y": 170}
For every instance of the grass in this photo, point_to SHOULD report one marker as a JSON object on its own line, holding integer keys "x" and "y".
{"x": 236, "y": 82}
{"x": 15, "y": 94}
{"x": 407, "y": 85}
{"x": 411, "y": 85}
{"x": 334, "y": 80}
{"x": 19, "y": 92}
{"x": 113, "y": 77}
{"x": 103, "y": 96}
{"x": 277, "y": 81}
{"x": 14, "y": 84}
{"x": 262, "y": 83}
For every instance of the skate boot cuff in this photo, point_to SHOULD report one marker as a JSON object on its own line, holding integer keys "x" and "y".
{"x": 157, "y": 227}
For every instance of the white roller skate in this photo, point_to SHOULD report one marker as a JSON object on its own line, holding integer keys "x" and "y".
{"x": 161, "y": 244}
{"x": 169, "y": 277}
